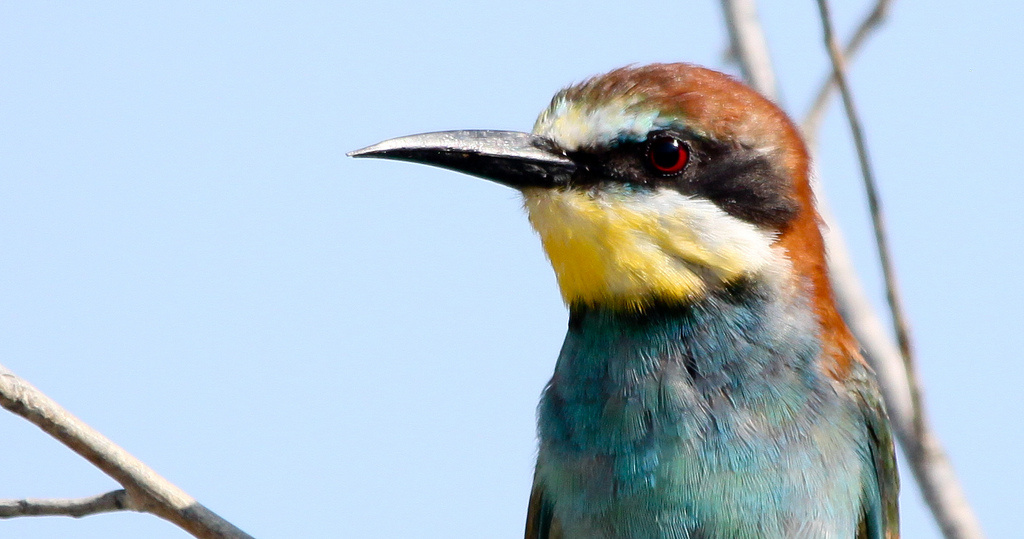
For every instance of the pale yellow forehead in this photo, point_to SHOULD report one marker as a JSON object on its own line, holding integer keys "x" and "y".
{"x": 577, "y": 125}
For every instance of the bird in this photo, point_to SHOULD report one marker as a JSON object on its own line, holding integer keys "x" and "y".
{"x": 707, "y": 387}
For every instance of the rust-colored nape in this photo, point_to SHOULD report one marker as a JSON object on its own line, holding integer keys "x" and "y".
{"x": 805, "y": 245}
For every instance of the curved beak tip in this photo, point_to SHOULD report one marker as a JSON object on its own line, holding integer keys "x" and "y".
{"x": 381, "y": 148}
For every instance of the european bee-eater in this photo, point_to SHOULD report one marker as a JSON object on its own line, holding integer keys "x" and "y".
{"x": 707, "y": 387}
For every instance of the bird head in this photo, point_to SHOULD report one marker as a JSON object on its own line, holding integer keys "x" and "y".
{"x": 652, "y": 185}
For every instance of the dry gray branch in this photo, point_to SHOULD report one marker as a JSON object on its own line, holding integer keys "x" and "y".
{"x": 812, "y": 121}
{"x": 116, "y": 500}
{"x": 928, "y": 459}
{"x": 892, "y": 295}
{"x": 932, "y": 469}
{"x": 745, "y": 35}
{"x": 146, "y": 490}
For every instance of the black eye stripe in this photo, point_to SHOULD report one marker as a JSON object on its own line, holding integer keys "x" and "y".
{"x": 739, "y": 180}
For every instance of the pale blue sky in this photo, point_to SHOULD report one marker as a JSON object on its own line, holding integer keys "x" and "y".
{"x": 315, "y": 346}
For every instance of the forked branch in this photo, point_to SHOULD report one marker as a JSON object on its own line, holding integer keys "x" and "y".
{"x": 144, "y": 489}
{"x": 931, "y": 467}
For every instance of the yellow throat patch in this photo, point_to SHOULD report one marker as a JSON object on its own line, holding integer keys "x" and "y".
{"x": 626, "y": 247}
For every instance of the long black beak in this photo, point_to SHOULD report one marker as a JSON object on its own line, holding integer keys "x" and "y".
{"x": 510, "y": 158}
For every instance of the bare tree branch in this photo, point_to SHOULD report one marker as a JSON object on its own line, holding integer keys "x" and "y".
{"x": 899, "y": 319}
{"x": 932, "y": 469}
{"x": 146, "y": 490}
{"x": 116, "y": 500}
{"x": 928, "y": 460}
{"x": 745, "y": 40}
{"x": 873, "y": 20}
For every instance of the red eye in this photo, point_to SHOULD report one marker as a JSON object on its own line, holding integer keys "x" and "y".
{"x": 667, "y": 154}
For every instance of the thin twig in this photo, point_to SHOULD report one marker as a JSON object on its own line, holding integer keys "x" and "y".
{"x": 116, "y": 500}
{"x": 146, "y": 490}
{"x": 899, "y": 318}
{"x": 745, "y": 34}
{"x": 870, "y": 23}
{"x": 923, "y": 449}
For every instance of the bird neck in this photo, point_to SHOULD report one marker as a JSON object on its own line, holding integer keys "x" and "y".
{"x": 733, "y": 336}
{"x": 623, "y": 376}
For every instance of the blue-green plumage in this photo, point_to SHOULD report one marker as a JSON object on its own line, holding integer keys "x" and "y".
{"x": 712, "y": 419}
